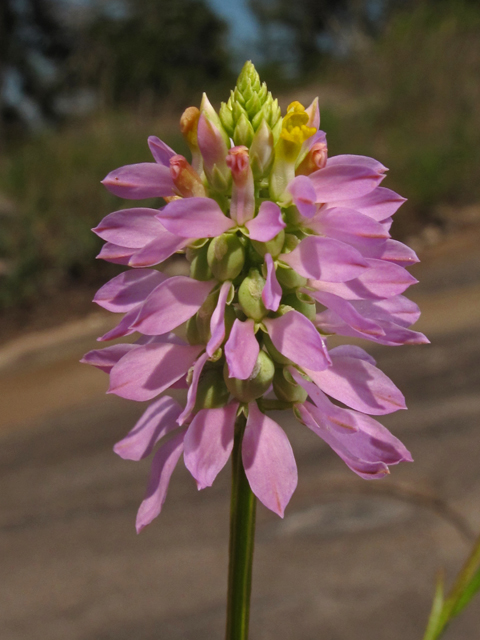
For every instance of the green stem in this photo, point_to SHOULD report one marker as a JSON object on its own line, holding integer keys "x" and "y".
{"x": 242, "y": 536}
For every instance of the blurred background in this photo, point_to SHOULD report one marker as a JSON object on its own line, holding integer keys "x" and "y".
{"x": 82, "y": 85}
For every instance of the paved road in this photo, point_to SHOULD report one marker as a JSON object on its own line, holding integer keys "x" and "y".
{"x": 351, "y": 560}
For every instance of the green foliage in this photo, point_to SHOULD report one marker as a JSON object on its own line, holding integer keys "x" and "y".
{"x": 54, "y": 181}
{"x": 466, "y": 586}
{"x": 166, "y": 48}
{"x": 414, "y": 103}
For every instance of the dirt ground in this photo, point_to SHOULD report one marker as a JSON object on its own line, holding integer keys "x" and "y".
{"x": 351, "y": 559}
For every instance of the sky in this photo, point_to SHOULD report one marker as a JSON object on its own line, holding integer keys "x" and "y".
{"x": 244, "y": 29}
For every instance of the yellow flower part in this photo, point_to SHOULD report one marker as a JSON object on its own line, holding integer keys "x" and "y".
{"x": 294, "y": 130}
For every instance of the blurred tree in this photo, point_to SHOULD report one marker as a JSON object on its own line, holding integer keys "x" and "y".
{"x": 34, "y": 45}
{"x": 157, "y": 47}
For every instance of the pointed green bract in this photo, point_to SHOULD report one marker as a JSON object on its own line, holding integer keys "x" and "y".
{"x": 250, "y": 104}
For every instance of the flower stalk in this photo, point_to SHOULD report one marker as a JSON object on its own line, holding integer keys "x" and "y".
{"x": 242, "y": 538}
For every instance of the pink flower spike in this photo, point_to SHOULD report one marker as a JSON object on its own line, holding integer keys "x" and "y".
{"x": 105, "y": 359}
{"x": 298, "y": 340}
{"x": 209, "y": 443}
{"x": 138, "y": 181}
{"x": 303, "y": 196}
{"x": 217, "y": 322}
{"x": 192, "y": 389}
{"x": 339, "y": 182}
{"x": 129, "y": 227}
{"x": 241, "y": 350}
{"x": 272, "y": 291}
{"x": 160, "y": 151}
{"x": 267, "y": 224}
{"x": 359, "y": 385}
{"x": 195, "y": 218}
{"x": 163, "y": 465}
{"x": 146, "y": 371}
{"x": 128, "y": 290}
{"x": 268, "y": 461}
{"x": 158, "y": 420}
{"x": 171, "y": 304}
{"x": 326, "y": 259}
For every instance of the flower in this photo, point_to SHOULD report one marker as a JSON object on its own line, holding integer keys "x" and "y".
{"x": 285, "y": 247}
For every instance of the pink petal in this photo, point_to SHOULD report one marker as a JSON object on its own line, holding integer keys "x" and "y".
{"x": 192, "y": 389}
{"x": 160, "y": 151}
{"x": 314, "y": 114}
{"x": 368, "y": 451}
{"x": 298, "y": 340}
{"x": 217, "y": 321}
{"x": 303, "y": 195}
{"x": 268, "y": 461}
{"x": 138, "y": 181}
{"x": 325, "y": 259}
{"x": 379, "y": 204}
{"x": 130, "y": 227}
{"x": 390, "y": 250}
{"x": 348, "y": 313}
{"x": 347, "y": 225}
{"x": 104, "y": 359}
{"x": 359, "y": 161}
{"x": 267, "y": 224}
{"x": 128, "y": 290}
{"x": 163, "y": 465}
{"x": 150, "y": 369}
{"x": 340, "y": 182}
{"x": 209, "y": 443}
{"x": 171, "y": 304}
{"x": 158, "y": 250}
{"x": 352, "y": 351}
{"x": 382, "y": 280}
{"x": 398, "y": 309}
{"x": 359, "y": 385}
{"x": 113, "y": 253}
{"x": 123, "y": 328}
{"x": 195, "y": 218}
{"x": 158, "y": 420}
{"x": 272, "y": 291}
{"x": 241, "y": 350}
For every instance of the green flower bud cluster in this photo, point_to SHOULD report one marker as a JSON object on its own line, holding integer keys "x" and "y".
{"x": 249, "y": 104}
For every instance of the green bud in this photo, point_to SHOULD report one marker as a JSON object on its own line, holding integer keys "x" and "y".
{"x": 219, "y": 179}
{"x": 252, "y": 105}
{"x": 199, "y": 267}
{"x": 286, "y": 388}
{"x": 243, "y": 133}
{"x": 257, "y": 384}
{"x": 291, "y": 242}
{"x": 212, "y": 391}
{"x": 273, "y": 247}
{"x": 274, "y": 353}
{"x": 289, "y": 279}
{"x": 204, "y": 315}
{"x": 301, "y": 302}
{"x": 226, "y": 117}
{"x": 250, "y": 295}
{"x": 207, "y": 109}
{"x": 261, "y": 150}
{"x": 226, "y": 256}
{"x": 193, "y": 334}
